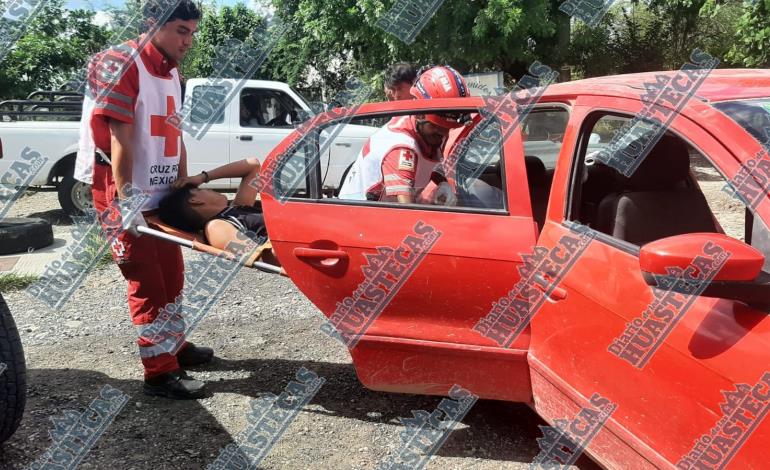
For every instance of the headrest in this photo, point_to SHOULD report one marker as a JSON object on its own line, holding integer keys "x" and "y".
{"x": 536, "y": 173}
{"x": 667, "y": 164}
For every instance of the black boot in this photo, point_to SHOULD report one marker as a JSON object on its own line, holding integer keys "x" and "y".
{"x": 193, "y": 355}
{"x": 176, "y": 385}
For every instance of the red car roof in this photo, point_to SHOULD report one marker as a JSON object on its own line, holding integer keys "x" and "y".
{"x": 720, "y": 85}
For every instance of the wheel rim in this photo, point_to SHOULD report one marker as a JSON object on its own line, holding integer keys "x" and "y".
{"x": 81, "y": 196}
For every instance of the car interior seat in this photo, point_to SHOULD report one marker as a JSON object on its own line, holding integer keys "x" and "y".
{"x": 539, "y": 188}
{"x": 658, "y": 200}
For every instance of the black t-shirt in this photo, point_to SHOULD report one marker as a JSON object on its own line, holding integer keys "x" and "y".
{"x": 246, "y": 219}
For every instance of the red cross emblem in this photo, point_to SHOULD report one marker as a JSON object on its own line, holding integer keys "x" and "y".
{"x": 159, "y": 127}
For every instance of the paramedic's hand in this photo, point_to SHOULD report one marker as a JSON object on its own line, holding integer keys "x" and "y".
{"x": 444, "y": 195}
{"x": 131, "y": 219}
{"x": 196, "y": 181}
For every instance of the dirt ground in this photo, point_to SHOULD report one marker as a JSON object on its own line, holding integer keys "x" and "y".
{"x": 263, "y": 331}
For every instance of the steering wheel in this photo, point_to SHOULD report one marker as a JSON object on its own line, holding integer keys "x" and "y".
{"x": 279, "y": 120}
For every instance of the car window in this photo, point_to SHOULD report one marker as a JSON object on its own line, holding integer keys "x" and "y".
{"x": 752, "y": 115}
{"x": 373, "y": 166}
{"x": 268, "y": 108}
{"x": 543, "y": 134}
{"x": 206, "y": 101}
{"x": 676, "y": 190}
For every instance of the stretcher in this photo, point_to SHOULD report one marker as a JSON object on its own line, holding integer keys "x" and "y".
{"x": 262, "y": 258}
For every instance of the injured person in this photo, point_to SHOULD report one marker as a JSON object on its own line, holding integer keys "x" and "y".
{"x": 197, "y": 210}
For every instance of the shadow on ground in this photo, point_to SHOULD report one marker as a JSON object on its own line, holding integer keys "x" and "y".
{"x": 183, "y": 434}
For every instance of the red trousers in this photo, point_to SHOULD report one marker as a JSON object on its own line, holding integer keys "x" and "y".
{"x": 153, "y": 268}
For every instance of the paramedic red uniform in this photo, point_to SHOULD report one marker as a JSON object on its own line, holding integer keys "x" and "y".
{"x": 394, "y": 162}
{"x": 154, "y": 269}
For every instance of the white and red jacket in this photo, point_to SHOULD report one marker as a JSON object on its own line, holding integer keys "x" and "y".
{"x": 156, "y": 143}
{"x": 393, "y": 162}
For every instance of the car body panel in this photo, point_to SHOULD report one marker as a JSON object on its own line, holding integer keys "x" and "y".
{"x": 664, "y": 407}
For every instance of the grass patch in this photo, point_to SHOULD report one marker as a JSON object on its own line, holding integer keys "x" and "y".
{"x": 12, "y": 282}
{"x": 93, "y": 245}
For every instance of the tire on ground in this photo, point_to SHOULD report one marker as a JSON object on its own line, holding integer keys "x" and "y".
{"x": 18, "y": 235}
{"x": 68, "y": 190}
{"x": 13, "y": 379}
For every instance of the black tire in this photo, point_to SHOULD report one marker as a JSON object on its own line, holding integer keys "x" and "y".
{"x": 74, "y": 195}
{"x": 19, "y": 235}
{"x": 342, "y": 180}
{"x": 13, "y": 380}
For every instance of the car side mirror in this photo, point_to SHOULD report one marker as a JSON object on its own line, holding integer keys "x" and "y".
{"x": 709, "y": 265}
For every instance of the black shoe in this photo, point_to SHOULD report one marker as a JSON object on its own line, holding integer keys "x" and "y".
{"x": 175, "y": 384}
{"x": 193, "y": 355}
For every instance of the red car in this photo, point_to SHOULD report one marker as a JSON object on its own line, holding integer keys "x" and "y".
{"x": 647, "y": 291}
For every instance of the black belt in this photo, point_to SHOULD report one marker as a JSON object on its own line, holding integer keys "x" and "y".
{"x": 101, "y": 161}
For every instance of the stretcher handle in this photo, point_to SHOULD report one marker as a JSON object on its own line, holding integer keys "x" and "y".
{"x": 203, "y": 248}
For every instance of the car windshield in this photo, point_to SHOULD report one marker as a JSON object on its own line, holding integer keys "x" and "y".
{"x": 752, "y": 115}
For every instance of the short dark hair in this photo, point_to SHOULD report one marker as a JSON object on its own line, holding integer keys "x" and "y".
{"x": 185, "y": 10}
{"x": 400, "y": 73}
{"x": 175, "y": 210}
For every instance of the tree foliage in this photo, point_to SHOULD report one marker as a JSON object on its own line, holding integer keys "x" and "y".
{"x": 56, "y": 44}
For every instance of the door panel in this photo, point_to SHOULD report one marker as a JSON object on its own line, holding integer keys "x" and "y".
{"x": 212, "y": 150}
{"x": 423, "y": 340}
{"x": 671, "y": 402}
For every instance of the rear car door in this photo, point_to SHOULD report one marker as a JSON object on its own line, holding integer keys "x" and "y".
{"x": 424, "y": 274}
{"x": 684, "y": 383}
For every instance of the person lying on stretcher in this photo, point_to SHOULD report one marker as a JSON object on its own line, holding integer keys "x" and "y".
{"x": 192, "y": 209}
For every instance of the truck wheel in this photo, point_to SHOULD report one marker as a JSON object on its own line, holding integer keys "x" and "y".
{"x": 13, "y": 379}
{"x": 18, "y": 235}
{"x": 74, "y": 196}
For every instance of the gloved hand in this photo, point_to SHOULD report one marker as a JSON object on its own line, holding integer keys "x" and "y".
{"x": 131, "y": 217}
{"x": 444, "y": 196}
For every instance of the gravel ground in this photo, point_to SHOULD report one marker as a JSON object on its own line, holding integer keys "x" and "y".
{"x": 263, "y": 331}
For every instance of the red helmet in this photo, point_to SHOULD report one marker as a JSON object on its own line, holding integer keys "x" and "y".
{"x": 440, "y": 82}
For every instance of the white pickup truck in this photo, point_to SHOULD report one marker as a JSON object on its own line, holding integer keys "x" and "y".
{"x": 255, "y": 121}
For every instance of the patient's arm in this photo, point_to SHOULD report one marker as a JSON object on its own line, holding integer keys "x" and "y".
{"x": 219, "y": 233}
{"x": 246, "y": 169}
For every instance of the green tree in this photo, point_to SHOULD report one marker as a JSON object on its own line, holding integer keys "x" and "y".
{"x": 56, "y": 44}
{"x": 330, "y": 40}
{"x": 752, "y": 45}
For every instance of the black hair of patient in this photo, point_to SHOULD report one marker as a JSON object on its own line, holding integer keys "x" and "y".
{"x": 175, "y": 210}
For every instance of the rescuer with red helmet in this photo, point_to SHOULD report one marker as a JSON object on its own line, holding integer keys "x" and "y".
{"x": 398, "y": 161}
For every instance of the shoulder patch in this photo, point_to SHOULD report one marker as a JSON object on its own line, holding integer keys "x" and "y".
{"x": 406, "y": 160}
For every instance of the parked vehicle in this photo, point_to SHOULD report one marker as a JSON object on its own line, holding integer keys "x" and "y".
{"x": 707, "y": 376}
{"x": 262, "y": 115}
{"x": 13, "y": 374}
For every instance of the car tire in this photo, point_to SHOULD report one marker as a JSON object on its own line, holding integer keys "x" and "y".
{"x": 74, "y": 196}
{"x": 19, "y": 235}
{"x": 342, "y": 180}
{"x": 13, "y": 380}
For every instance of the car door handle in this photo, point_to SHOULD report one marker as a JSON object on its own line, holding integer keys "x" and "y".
{"x": 244, "y": 137}
{"x": 343, "y": 144}
{"x": 557, "y": 293}
{"x": 318, "y": 256}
